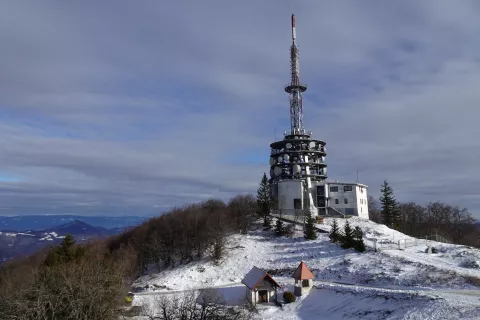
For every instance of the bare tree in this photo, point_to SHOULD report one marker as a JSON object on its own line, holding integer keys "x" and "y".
{"x": 194, "y": 305}
{"x": 242, "y": 212}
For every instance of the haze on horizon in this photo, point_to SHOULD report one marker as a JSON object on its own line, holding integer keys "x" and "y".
{"x": 131, "y": 108}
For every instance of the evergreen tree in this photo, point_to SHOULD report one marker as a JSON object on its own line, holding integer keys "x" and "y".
{"x": 309, "y": 232}
{"x": 65, "y": 252}
{"x": 390, "y": 213}
{"x": 264, "y": 201}
{"x": 359, "y": 245}
{"x": 347, "y": 239}
{"x": 334, "y": 232}
{"x": 279, "y": 228}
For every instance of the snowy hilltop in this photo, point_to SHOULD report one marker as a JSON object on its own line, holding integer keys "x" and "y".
{"x": 389, "y": 283}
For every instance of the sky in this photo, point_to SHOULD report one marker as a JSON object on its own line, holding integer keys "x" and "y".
{"x": 134, "y": 107}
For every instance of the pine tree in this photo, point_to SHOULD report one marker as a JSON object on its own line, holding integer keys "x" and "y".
{"x": 264, "y": 201}
{"x": 279, "y": 228}
{"x": 359, "y": 245}
{"x": 309, "y": 232}
{"x": 334, "y": 232}
{"x": 390, "y": 213}
{"x": 347, "y": 239}
{"x": 65, "y": 252}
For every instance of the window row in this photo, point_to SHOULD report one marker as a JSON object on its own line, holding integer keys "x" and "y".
{"x": 345, "y": 188}
{"x": 344, "y": 200}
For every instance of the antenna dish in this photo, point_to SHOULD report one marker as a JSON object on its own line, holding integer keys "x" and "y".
{"x": 286, "y": 157}
{"x": 280, "y": 159}
{"x": 311, "y": 144}
{"x": 277, "y": 171}
{"x": 288, "y": 145}
{"x": 296, "y": 168}
{"x": 272, "y": 161}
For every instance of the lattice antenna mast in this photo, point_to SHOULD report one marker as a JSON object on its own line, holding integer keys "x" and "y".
{"x": 295, "y": 88}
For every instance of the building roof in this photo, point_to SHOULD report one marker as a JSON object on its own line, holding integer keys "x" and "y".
{"x": 334, "y": 182}
{"x": 303, "y": 272}
{"x": 255, "y": 276}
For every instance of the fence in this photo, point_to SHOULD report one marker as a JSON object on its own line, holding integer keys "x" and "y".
{"x": 404, "y": 243}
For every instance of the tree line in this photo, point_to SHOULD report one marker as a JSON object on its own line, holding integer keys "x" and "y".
{"x": 435, "y": 218}
{"x": 91, "y": 281}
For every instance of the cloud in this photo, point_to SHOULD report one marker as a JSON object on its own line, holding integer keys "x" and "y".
{"x": 122, "y": 108}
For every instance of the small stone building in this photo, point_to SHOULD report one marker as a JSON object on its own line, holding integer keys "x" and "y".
{"x": 303, "y": 279}
{"x": 260, "y": 286}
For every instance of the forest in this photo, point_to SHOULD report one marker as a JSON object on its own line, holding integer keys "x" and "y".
{"x": 91, "y": 281}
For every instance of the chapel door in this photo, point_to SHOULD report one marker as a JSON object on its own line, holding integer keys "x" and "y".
{"x": 263, "y": 295}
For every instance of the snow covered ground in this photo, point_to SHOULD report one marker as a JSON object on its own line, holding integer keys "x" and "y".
{"x": 389, "y": 284}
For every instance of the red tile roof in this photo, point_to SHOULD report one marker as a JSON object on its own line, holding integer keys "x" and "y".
{"x": 303, "y": 272}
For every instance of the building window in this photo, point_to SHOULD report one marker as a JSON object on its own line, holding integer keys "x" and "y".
{"x": 297, "y": 204}
{"x": 333, "y": 189}
{"x": 321, "y": 190}
{"x": 346, "y": 200}
{"x": 336, "y": 201}
{"x": 361, "y": 189}
{"x": 347, "y": 188}
{"x": 305, "y": 283}
{"x": 361, "y": 201}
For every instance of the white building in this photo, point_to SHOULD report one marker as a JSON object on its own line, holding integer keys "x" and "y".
{"x": 321, "y": 198}
{"x": 260, "y": 287}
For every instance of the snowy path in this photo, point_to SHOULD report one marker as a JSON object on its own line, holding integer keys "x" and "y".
{"x": 334, "y": 284}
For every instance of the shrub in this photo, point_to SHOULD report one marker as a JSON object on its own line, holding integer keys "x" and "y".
{"x": 310, "y": 233}
{"x": 334, "y": 232}
{"x": 347, "y": 239}
{"x": 289, "y": 297}
{"x": 470, "y": 264}
{"x": 434, "y": 250}
{"x": 290, "y": 230}
{"x": 279, "y": 228}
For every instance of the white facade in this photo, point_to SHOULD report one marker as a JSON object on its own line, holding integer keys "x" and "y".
{"x": 328, "y": 197}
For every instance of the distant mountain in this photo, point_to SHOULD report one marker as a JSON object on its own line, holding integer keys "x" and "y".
{"x": 78, "y": 227}
{"x": 14, "y": 243}
{"x": 42, "y": 222}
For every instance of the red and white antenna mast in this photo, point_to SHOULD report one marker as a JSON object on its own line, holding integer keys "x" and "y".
{"x": 295, "y": 88}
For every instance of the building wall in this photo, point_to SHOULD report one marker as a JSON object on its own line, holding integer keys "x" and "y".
{"x": 253, "y": 296}
{"x": 357, "y": 199}
{"x": 357, "y": 203}
{"x": 289, "y": 190}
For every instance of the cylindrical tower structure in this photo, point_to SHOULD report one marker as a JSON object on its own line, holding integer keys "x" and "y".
{"x": 298, "y": 161}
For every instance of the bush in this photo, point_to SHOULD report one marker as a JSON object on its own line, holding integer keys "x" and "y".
{"x": 470, "y": 264}
{"x": 434, "y": 250}
{"x": 290, "y": 230}
{"x": 310, "y": 233}
{"x": 289, "y": 297}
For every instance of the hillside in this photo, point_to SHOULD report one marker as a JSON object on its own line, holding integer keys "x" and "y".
{"x": 389, "y": 284}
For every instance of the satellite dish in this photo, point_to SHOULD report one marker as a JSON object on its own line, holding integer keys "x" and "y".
{"x": 280, "y": 159}
{"x": 296, "y": 168}
{"x": 288, "y": 145}
{"x": 277, "y": 171}
{"x": 272, "y": 161}
{"x": 286, "y": 157}
{"x": 311, "y": 144}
